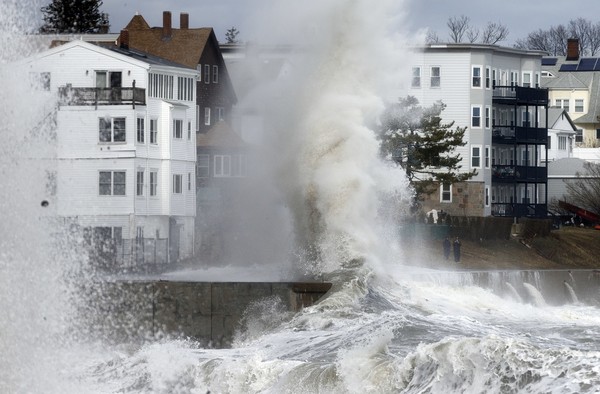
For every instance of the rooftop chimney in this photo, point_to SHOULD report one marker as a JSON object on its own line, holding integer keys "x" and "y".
{"x": 166, "y": 33}
{"x": 124, "y": 38}
{"x": 184, "y": 20}
{"x": 573, "y": 49}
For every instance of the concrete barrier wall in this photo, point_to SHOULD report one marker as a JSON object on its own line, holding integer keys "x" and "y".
{"x": 209, "y": 312}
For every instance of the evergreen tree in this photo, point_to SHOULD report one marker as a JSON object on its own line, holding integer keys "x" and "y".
{"x": 74, "y": 16}
{"x": 231, "y": 35}
{"x": 416, "y": 139}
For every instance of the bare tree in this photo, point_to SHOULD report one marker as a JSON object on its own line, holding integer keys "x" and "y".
{"x": 580, "y": 28}
{"x": 472, "y": 34}
{"x": 432, "y": 37}
{"x": 554, "y": 39}
{"x": 494, "y": 33}
{"x": 585, "y": 191}
{"x": 458, "y": 27}
{"x": 594, "y": 39}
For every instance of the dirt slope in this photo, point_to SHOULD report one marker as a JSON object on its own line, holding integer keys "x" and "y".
{"x": 569, "y": 248}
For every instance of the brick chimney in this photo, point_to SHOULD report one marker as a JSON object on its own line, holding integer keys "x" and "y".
{"x": 573, "y": 49}
{"x": 167, "y": 30}
{"x": 184, "y": 20}
{"x": 124, "y": 38}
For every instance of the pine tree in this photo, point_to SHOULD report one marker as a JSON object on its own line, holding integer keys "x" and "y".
{"x": 231, "y": 35}
{"x": 416, "y": 139}
{"x": 74, "y": 16}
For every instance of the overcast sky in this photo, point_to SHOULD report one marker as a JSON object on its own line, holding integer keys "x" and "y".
{"x": 520, "y": 16}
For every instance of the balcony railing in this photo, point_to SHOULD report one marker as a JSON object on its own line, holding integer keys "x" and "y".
{"x": 519, "y": 134}
{"x": 519, "y": 173}
{"x": 520, "y": 210}
{"x": 520, "y": 95}
{"x": 68, "y": 95}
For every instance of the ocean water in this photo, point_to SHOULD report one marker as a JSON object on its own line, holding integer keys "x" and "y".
{"x": 408, "y": 331}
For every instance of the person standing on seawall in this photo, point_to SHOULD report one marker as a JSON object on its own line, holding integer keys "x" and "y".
{"x": 446, "y": 248}
{"x": 456, "y": 247}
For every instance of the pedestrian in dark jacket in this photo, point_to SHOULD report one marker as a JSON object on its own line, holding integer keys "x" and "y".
{"x": 456, "y": 247}
{"x": 447, "y": 248}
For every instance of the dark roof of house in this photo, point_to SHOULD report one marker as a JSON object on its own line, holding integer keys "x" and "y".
{"x": 146, "y": 57}
{"x": 221, "y": 135}
{"x": 184, "y": 46}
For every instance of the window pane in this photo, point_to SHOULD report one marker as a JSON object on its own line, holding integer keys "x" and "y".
{"x": 119, "y": 129}
{"x": 104, "y": 127}
{"x": 119, "y": 183}
{"x": 105, "y": 183}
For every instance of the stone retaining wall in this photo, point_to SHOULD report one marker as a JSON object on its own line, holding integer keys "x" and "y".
{"x": 210, "y": 312}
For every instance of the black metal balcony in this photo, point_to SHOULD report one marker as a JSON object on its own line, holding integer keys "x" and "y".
{"x": 520, "y": 210}
{"x": 519, "y": 135}
{"x": 68, "y": 95}
{"x": 512, "y": 173}
{"x": 518, "y": 95}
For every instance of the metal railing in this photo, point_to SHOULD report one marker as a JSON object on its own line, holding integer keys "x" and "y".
{"x": 68, "y": 95}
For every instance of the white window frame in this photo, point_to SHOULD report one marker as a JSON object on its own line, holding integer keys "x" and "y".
{"x": 177, "y": 183}
{"x": 139, "y": 183}
{"x": 562, "y": 142}
{"x": 197, "y": 118}
{"x": 486, "y": 196}
{"x": 416, "y": 77}
{"x": 140, "y": 130}
{"x": 486, "y": 156}
{"x": 487, "y": 117}
{"x": 473, "y": 156}
{"x": 435, "y": 80}
{"x": 215, "y": 74}
{"x": 579, "y": 108}
{"x": 447, "y": 192}
{"x": 207, "y": 73}
{"x": 154, "y": 131}
{"x": 221, "y": 166}
{"x": 112, "y": 139}
{"x": 207, "y": 116}
{"x": 113, "y": 182}
{"x": 488, "y": 77}
{"x": 189, "y": 130}
{"x": 153, "y": 183}
{"x": 476, "y": 77}
{"x": 189, "y": 180}
{"x": 475, "y": 117}
{"x": 178, "y": 129}
{"x": 526, "y": 79}
{"x": 220, "y": 113}
{"x": 203, "y": 166}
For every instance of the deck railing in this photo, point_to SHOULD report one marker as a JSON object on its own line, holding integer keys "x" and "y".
{"x": 68, "y": 95}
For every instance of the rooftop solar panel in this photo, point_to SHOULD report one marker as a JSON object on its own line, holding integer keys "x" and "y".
{"x": 568, "y": 67}
{"x": 549, "y": 61}
{"x": 587, "y": 64}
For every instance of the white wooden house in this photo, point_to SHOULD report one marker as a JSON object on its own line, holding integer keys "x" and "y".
{"x": 125, "y": 149}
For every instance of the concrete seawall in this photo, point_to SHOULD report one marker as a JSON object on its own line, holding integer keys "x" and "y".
{"x": 209, "y": 312}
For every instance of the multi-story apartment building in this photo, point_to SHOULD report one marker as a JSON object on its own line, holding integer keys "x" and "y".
{"x": 494, "y": 92}
{"x": 125, "y": 149}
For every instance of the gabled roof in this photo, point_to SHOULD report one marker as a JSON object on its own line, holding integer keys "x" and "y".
{"x": 91, "y": 47}
{"x": 183, "y": 46}
{"x": 568, "y": 80}
{"x": 556, "y": 114}
{"x": 221, "y": 135}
